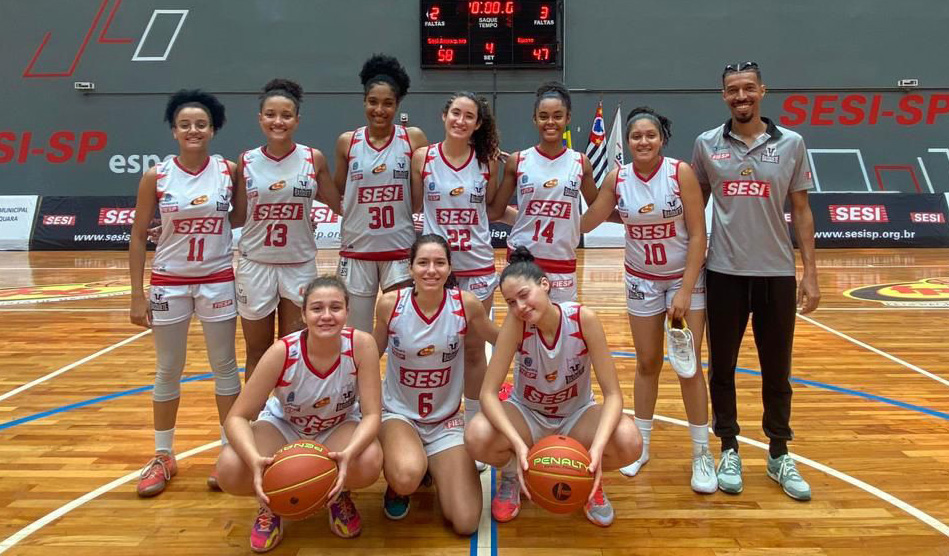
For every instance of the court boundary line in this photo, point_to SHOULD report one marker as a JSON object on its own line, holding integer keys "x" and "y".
{"x": 73, "y": 365}
{"x": 877, "y": 351}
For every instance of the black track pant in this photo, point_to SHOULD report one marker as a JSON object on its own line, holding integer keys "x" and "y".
{"x": 771, "y": 301}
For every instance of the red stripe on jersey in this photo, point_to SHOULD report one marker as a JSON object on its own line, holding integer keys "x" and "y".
{"x": 306, "y": 360}
{"x": 383, "y": 147}
{"x": 275, "y": 158}
{"x": 421, "y": 315}
{"x": 645, "y": 179}
{"x": 226, "y": 275}
{"x": 393, "y": 255}
{"x": 647, "y": 276}
{"x": 450, "y": 165}
{"x": 548, "y": 157}
{"x": 189, "y": 172}
{"x": 552, "y": 265}
{"x": 540, "y": 335}
{"x": 476, "y": 272}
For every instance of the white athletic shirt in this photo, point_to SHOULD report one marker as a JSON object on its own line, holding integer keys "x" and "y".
{"x": 280, "y": 193}
{"x": 454, "y": 209}
{"x": 377, "y": 204}
{"x": 554, "y": 380}
{"x": 314, "y": 401}
{"x": 425, "y": 369}
{"x": 656, "y": 236}
{"x": 548, "y": 200}
{"x": 195, "y": 242}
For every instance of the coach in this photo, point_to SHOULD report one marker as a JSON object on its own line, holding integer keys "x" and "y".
{"x": 750, "y": 167}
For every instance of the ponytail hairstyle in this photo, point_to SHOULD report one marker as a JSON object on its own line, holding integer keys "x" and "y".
{"x": 424, "y": 239}
{"x": 485, "y": 139}
{"x": 325, "y": 281}
{"x": 662, "y": 123}
{"x": 195, "y": 98}
{"x": 552, "y": 89}
{"x": 522, "y": 265}
{"x": 380, "y": 68}
{"x": 283, "y": 88}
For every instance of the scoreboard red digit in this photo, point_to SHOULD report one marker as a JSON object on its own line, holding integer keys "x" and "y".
{"x": 493, "y": 33}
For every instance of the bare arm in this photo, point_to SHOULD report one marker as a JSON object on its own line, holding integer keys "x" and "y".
{"x": 380, "y": 331}
{"x": 492, "y": 189}
{"x": 508, "y": 338}
{"x": 602, "y": 360}
{"x": 145, "y": 203}
{"x": 808, "y": 294}
{"x": 238, "y": 215}
{"x": 587, "y": 185}
{"x": 251, "y": 400}
{"x": 341, "y": 161}
{"x": 601, "y": 208}
{"x": 418, "y": 164}
{"x": 694, "y": 207}
{"x": 326, "y": 190}
{"x": 417, "y": 138}
{"x": 478, "y": 319}
{"x": 369, "y": 384}
{"x": 505, "y": 189}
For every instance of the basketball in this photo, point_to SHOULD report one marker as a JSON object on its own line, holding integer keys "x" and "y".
{"x": 557, "y": 474}
{"x": 298, "y": 479}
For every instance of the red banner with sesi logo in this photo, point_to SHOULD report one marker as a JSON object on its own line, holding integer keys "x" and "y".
{"x": 79, "y": 223}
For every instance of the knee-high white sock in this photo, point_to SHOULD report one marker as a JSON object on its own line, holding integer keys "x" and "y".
{"x": 645, "y": 429}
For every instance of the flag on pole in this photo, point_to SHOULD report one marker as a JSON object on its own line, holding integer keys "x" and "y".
{"x": 614, "y": 146}
{"x": 567, "y": 140}
{"x": 596, "y": 148}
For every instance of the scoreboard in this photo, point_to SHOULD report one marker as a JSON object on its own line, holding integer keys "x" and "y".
{"x": 491, "y": 34}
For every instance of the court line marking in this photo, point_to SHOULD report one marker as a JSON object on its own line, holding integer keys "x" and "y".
{"x": 840, "y": 475}
{"x": 67, "y": 368}
{"x": 877, "y": 351}
{"x": 483, "y": 542}
{"x": 59, "y": 512}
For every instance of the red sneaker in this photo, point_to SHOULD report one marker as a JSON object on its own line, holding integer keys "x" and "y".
{"x": 156, "y": 474}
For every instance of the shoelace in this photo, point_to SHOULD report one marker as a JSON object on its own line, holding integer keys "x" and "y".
{"x": 598, "y": 499}
{"x": 789, "y": 469}
{"x": 264, "y": 520}
{"x": 680, "y": 344}
{"x": 730, "y": 462}
{"x": 508, "y": 487}
{"x": 344, "y": 508}
{"x": 150, "y": 468}
{"x": 702, "y": 464}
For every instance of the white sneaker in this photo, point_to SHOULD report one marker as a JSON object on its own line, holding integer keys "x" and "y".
{"x": 704, "y": 480}
{"x": 481, "y": 466}
{"x": 680, "y": 347}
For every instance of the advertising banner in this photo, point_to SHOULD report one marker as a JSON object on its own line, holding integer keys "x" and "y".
{"x": 84, "y": 223}
{"x": 16, "y": 221}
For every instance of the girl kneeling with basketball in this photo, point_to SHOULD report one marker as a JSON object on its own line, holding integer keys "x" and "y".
{"x": 423, "y": 329}
{"x": 325, "y": 381}
{"x": 555, "y": 343}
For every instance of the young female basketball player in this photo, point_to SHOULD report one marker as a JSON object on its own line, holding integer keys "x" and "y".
{"x": 372, "y": 174}
{"x": 555, "y": 344}
{"x": 549, "y": 179}
{"x": 423, "y": 329}
{"x": 454, "y": 181}
{"x": 660, "y": 202}
{"x": 191, "y": 270}
{"x": 325, "y": 384}
{"x": 276, "y": 186}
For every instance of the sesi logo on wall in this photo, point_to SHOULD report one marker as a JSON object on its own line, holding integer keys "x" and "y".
{"x": 84, "y": 223}
{"x": 874, "y": 214}
{"x": 116, "y": 216}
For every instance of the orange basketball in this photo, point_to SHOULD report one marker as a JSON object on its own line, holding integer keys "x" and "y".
{"x": 298, "y": 479}
{"x": 557, "y": 474}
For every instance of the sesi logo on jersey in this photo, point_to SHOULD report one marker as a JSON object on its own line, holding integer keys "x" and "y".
{"x": 746, "y": 189}
{"x": 534, "y": 395}
{"x": 664, "y": 230}
{"x": 447, "y": 217}
{"x": 424, "y": 378}
{"x": 278, "y": 211}
{"x": 553, "y": 209}
{"x": 211, "y": 225}
{"x": 380, "y": 194}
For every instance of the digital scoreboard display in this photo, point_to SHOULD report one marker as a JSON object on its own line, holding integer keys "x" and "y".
{"x": 505, "y": 34}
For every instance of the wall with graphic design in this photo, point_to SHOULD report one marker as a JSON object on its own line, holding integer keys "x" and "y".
{"x": 832, "y": 68}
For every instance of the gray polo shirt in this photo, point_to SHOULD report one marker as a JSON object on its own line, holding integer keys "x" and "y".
{"x": 749, "y": 187}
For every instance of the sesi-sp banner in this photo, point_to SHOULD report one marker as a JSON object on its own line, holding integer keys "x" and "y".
{"x": 878, "y": 220}
{"x": 84, "y": 223}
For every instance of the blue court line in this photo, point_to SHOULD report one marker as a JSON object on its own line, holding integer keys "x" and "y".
{"x": 832, "y": 388}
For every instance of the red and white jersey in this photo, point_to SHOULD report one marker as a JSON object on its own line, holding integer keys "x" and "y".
{"x": 454, "y": 209}
{"x": 554, "y": 380}
{"x": 313, "y": 401}
{"x": 377, "y": 204}
{"x": 652, "y": 213}
{"x": 548, "y": 201}
{"x": 280, "y": 193}
{"x": 195, "y": 242}
{"x": 425, "y": 369}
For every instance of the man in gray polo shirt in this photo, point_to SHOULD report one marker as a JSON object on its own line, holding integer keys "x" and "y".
{"x": 750, "y": 167}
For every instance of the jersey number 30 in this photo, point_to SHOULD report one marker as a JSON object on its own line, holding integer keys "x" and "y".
{"x": 381, "y": 217}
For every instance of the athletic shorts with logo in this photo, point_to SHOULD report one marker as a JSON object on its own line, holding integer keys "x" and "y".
{"x": 436, "y": 437}
{"x": 646, "y": 297}
{"x": 210, "y": 302}
{"x": 563, "y": 286}
{"x": 364, "y": 277}
{"x": 481, "y": 286}
{"x": 260, "y": 286}
{"x": 541, "y": 425}
{"x": 291, "y": 435}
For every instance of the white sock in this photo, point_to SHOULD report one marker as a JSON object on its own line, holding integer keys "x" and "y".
{"x": 645, "y": 429}
{"x": 510, "y": 468}
{"x": 699, "y": 434}
{"x": 223, "y": 436}
{"x": 472, "y": 407}
{"x": 165, "y": 440}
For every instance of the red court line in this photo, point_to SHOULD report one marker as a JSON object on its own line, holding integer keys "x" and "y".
{"x": 28, "y": 72}
{"x": 912, "y": 174}
{"x": 108, "y": 22}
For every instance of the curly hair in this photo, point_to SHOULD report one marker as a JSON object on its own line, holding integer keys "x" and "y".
{"x": 196, "y": 98}
{"x": 380, "y": 68}
{"x": 552, "y": 89}
{"x": 484, "y": 140}
{"x": 662, "y": 123}
{"x": 283, "y": 88}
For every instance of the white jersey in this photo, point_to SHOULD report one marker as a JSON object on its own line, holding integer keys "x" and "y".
{"x": 280, "y": 193}
{"x": 425, "y": 369}
{"x": 377, "y": 204}
{"x": 314, "y": 401}
{"x": 652, "y": 213}
{"x": 548, "y": 200}
{"x": 195, "y": 242}
{"x": 454, "y": 209}
{"x": 554, "y": 380}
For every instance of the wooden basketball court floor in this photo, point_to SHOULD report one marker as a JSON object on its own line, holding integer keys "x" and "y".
{"x": 871, "y": 417}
